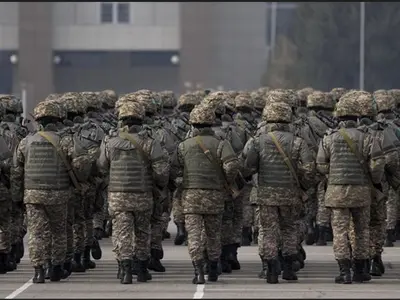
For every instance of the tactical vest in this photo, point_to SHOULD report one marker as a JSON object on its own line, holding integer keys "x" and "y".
{"x": 273, "y": 171}
{"x": 44, "y": 169}
{"x": 199, "y": 172}
{"x": 227, "y": 132}
{"x": 344, "y": 167}
{"x": 130, "y": 172}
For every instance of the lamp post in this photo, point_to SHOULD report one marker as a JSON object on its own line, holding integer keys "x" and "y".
{"x": 362, "y": 44}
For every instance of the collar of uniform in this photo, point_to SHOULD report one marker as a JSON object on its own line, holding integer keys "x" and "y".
{"x": 203, "y": 131}
{"x": 277, "y": 127}
{"x": 347, "y": 124}
{"x": 132, "y": 129}
{"x": 50, "y": 127}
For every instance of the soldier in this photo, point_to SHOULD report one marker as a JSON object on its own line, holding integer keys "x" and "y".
{"x": 344, "y": 156}
{"x": 181, "y": 127}
{"x": 336, "y": 93}
{"x": 130, "y": 197}
{"x": 203, "y": 194}
{"x": 278, "y": 187}
{"x": 42, "y": 175}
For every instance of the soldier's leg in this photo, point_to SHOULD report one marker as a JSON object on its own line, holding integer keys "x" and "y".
{"x": 253, "y": 202}
{"x": 237, "y": 225}
{"x": 166, "y": 216}
{"x": 21, "y": 232}
{"x": 226, "y": 237}
{"x": 288, "y": 225}
{"x": 323, "y": 215}
{"x": 194, "y": 226}
{"x": 70, "y": 236}
{"x": 123, "y": 225}
{"x": 341, "y": 246}
{"x": 142, "y": 230}
{"x": 311, "y": 215}
{"x": 212, "y": 228}
{"x": 13, "y": 237}
{"x": 38, "y": 223}
{"x": 156, "y": 252}
{"x": 377, "y": 236}
{"x": 248, "y": 216}
{"x": 391, "y": 217}
{"x": 268, "y": 242}
{"x": 79, "y": 234}
{"x": 89, "y": 202}
{"x": 99, "y": 214}
{"x": 58, "y": 219}
{"x": 5, "y": 243}
{"x": 361, "y": 251}
{"x": 179, "y": 218}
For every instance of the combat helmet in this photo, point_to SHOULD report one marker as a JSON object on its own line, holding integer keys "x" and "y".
{"x": 336, "y": 93}
{"x": 244, "y": 101}
{"x": 188, "y": 101}
{"x": 347, "y": 106}
{"x": 279, "y": 95}
{"x": 47, "y": 109}
{"x": 365, "y": 103}
{"x": 91, "y": 100}
{"x": 396, "y": 95}
{"x": 11, "y": 104}
{"x": 108, "y": 98}
{"x": 131, "y": 109}
{"x": 202, "y": 114}
{"x": 168, "y": 99}
{"x": 148, "y": 99}
{"x": 319, "y": 99}
{"x": 303, "y": 94}
{"x": 216, "y": 100}
{"x": 384, "y": 101}
{"x": 258, "y": 98}
{"x": 279, "y": 112}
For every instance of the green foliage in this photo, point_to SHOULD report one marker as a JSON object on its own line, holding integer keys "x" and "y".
{"x": 326, "y": 39}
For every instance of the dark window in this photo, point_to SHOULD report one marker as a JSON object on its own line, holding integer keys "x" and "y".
{"x": 123, "y": 12}
{"x": 106, "y": 12}
{"x": 82, "y": 59}
{"x": 152, "y": 58}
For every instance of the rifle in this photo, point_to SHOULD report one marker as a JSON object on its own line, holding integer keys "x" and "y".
{"x": 329, "y": 121}
{"x": 376, "y": 192}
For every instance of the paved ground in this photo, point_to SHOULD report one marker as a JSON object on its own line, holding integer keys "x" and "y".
{"x": 315, "y": 280}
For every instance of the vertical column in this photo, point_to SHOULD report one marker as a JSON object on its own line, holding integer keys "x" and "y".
{"x": 35, "y": 56}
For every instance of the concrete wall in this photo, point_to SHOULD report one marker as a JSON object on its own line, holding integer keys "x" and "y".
{"x": 9, "y": 16}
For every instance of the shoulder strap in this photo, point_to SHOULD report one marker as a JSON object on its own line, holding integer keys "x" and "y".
{"x": 378, "y": 194}
{"x": 63, "y": 158}
{"x": 128, "y": 137}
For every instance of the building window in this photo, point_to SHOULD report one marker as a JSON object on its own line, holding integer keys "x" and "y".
{"x": 115, "y": 12}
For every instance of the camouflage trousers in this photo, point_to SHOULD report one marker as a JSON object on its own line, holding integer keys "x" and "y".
{"x": 166, "y": 215}
{"x": 18, "y": 226}
{"x": 277, "y": 231}
{"x": 157, "y": 223}
{"x": 253, "y": 202}
{"x": 211, "y": 237}
{"x": 177, "y": 208}
{"x": 377, "y": 228}
{"x": 391, "y": 209}
{"x": 248, "y": 208}
{"x": 227, "y": 237}
{"x": 47, "y": 226}
{"x": 341, "y": 220}
{"x": 79, "y": 227}
{"x": 323, "y": 213}
{"x": 237, "y": 220}
{"x": 5, "y": 224}
{"x": 311, "y": 205}
{"x": 98, "y": 209}
{"x": 131, "y": 234}
{"x": 70, "y": 231}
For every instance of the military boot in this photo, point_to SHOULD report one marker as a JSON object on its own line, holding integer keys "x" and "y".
{"x": 302, "y": 256}
{"x": 233, "y": 260}
{"x": 68, "y": 267}
{"x": 20, "y": 250}
{"x": 255, "y": 236}
{"x": 14, "y": 253}
{"x": 272, "y": 271}
{"x": 367, "y": 269}
{"x": 3, "y": 262}
{"x": 213, "y": 271}
{"x": 281, "y": 262}
{"x": 198, "y": 272}
{"x": 47, "y": 268}
{"x": 246, "y": 236}
{"x": 11, "y": 263}
{"x": 310, "y": 239}
{"x": 77, "y": 265}
{"x": 126, "y": 275}
{"x": 322, "y": 233}
{"x": 96, "y": 250}
{"x": 329, "y": 234}
{"x": 288, "y": 272}
{"x": 389, "y": 238}
{"x": 108, "y": 229}
{"x": 180, "y": 234}
{"x": 359, "y": 271}
{"x": 166, "y": 235}
{"x": 345, "y": 273}
{"x": 38, "y": 277}
{"x": 119, "y": 272}
{"x": 98, "y": 233}
{"x": 56, "y": 273}
{"x": 155, "y": 260}
{"x": 264, "y": 269}
{"x": 87, "y": 262}
{"x": 226, "y": 267}
{"x": 397, "y": 229}
{"x": 143, "y": 274}
{"x": 135, "y": 268}
{"x": 377, "y": 268}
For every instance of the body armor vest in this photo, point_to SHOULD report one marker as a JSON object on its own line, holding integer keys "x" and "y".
{"x": 344, "y": 168}
{"x": 44, "y": 169}
{"x": 129, "y": 170}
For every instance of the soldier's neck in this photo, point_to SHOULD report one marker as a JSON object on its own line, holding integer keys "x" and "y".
{"x": 347, "y": 124}
{"x": 49, "y": 127}
{"x": 203, "y": 131}
{"x": 277, "y": 127}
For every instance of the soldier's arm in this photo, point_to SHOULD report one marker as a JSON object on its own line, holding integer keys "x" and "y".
{"x": 159, "y": 163}
{"x": 305, "y": 164}
{"x": 250, "y": 158}
{"x": 17, "y": 172}
{"x": 323, "y": 156}
{"x": 103, "y": 162}
{"x": 375, "y": 158}
{"x": 230, "y": 163}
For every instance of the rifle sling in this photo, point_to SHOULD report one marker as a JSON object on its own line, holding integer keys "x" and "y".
{"x": 70, "y": 171}
{"x": 126, "y": 136}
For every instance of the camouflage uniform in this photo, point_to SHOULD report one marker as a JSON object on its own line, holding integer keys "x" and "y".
{"x": 131, "y": 202}
{"x": 203, "y": 195}
{"x": 348, "y": 193}
{"x": 278, "y": 194}
{"x": 46, "y": 202}
{"x": 245, "y": 121}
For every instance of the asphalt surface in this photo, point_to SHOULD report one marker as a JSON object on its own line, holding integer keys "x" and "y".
{"x": 316, "y": 280}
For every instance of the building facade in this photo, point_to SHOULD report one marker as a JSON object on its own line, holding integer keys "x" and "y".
{"x": 76, "y": 46}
